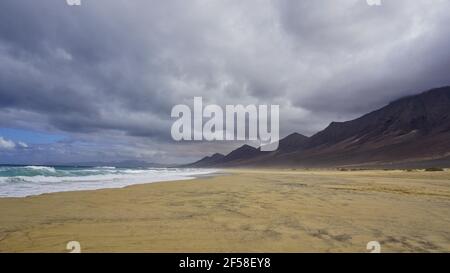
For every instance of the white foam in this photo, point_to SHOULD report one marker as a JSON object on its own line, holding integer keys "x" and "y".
{"x": 21, "y": 186}
{"x": 41, "y": 168}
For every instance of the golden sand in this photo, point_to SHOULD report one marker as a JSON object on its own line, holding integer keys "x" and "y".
{"x": 241, "y": 211}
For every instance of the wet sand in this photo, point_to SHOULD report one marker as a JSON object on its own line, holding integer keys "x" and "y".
{"x": 242, "y": 211}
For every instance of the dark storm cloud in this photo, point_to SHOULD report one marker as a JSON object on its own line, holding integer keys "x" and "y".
{"x": 107, "y": 73}
{"x": 376, "y": 54}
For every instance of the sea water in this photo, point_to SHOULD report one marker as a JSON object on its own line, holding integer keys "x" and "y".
{"x": 21, "y": 181}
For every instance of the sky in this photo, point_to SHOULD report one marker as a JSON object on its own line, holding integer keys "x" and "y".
{"x": 97, "y": 82}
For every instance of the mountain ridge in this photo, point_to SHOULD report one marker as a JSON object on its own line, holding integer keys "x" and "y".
{"x": 410, "y": 129}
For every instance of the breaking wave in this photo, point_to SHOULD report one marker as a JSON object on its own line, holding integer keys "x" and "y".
{"x": 20, "y": 181}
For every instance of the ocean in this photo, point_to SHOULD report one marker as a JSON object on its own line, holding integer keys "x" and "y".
{"x": 21, "y": 181}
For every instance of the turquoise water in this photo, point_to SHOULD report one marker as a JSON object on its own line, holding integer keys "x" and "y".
{"x": 20, "y": 181}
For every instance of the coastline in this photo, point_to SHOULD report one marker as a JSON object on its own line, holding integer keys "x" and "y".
{"x": 25, "y": 181}
{"x": 240, "y": 210}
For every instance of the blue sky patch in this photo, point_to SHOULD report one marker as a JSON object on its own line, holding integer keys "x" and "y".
{"x": 29, "y": 137}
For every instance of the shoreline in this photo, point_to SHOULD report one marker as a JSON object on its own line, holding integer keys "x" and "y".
{"x": 238, "y": 210}
{"x": 101, "y": 189}
{"x": 109, "y": 184}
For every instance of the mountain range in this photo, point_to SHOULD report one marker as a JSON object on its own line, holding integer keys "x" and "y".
{"x": 413, "y": 131}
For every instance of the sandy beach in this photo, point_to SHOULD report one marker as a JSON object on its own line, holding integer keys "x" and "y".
{"x": 241, "y": 211}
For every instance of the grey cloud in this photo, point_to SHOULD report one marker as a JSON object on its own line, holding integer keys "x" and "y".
{"x": 110, "y": 71}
